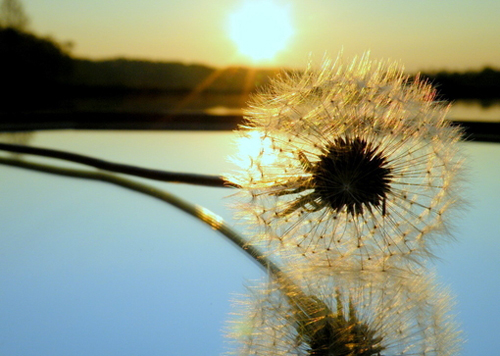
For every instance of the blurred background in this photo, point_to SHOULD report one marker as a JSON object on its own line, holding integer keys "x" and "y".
{"x": 83, "y": 62}
{"x": 91, "y": 269}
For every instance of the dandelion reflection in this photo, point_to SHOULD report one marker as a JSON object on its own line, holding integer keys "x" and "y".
{"x": 369, "y": 314}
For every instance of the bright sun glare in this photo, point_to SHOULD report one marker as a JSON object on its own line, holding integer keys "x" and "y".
{"x": 260, "y": 29}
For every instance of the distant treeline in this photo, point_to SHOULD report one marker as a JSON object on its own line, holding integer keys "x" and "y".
{"x": 135, "y": 75}
{"x": 483, "y": 84}
{"x": 39, "y": 72}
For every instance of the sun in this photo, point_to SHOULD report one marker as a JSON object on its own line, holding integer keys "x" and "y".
{"x": 260, "y": 29}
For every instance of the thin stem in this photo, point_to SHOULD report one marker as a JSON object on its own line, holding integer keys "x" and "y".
{"x": 189, "y": 178}
{"x": 205, "y": 215}
{"x": 305, "y": 306}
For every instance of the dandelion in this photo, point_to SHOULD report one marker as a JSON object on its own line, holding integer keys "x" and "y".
{"x": 354, "y": 162}
{"x": 369, "y": 316}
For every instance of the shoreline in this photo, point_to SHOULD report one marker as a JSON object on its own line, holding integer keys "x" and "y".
{"x": 186, "y": 121}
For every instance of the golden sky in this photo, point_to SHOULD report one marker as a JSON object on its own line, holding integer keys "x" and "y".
{"x": 421, "y": 34}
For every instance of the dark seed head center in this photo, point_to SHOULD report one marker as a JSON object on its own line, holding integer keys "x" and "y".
{"x": 343, "y": 334}
{"x": 352, "y": 174}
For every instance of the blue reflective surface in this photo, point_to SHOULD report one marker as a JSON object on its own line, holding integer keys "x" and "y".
{"x": 88, "y": 268}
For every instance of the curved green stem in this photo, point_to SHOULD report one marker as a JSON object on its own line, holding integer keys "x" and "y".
{"x": 203, "y": 214}
{"x": 189, "y": 178}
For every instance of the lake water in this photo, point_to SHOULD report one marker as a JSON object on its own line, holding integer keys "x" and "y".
{"x": 89, "y": 268}
{"x": 466, "y": 110}
{"x": 474, "y": 110}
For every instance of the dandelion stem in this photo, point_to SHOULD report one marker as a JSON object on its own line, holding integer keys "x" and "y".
{"x": 189, "y": 178}
{"x": 305, "y": 306}
{"x": 205, "y": 215}
{"x": 293, "y": 292}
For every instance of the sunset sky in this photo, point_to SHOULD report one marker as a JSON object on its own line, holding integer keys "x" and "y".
{"x": 423, "y": 34}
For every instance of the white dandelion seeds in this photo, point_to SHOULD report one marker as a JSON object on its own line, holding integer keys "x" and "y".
{"x": 354, "y": 163}
{"x": 374, "y": 315}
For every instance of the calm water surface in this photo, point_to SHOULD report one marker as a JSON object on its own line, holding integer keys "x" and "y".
{"x": 467, "y": 110}
{"x": 474, "y": 110}
{"x": 93, "y": 269}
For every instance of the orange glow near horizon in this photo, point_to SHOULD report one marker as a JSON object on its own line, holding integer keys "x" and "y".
{"x": 424, "y": 36}
{"x": 260, "y": 29}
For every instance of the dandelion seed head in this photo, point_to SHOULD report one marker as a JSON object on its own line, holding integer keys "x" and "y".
{"x": 353, "y": 160}
{"x": 350, "y": 315}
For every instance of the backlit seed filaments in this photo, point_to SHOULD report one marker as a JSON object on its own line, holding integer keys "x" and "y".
{"x": 354, "y": 164}
{"x": 347, "y": 314}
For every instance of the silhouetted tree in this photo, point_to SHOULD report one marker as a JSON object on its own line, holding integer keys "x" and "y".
{"x": 31, "y": 69}
{"x": 12, "y": 15}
